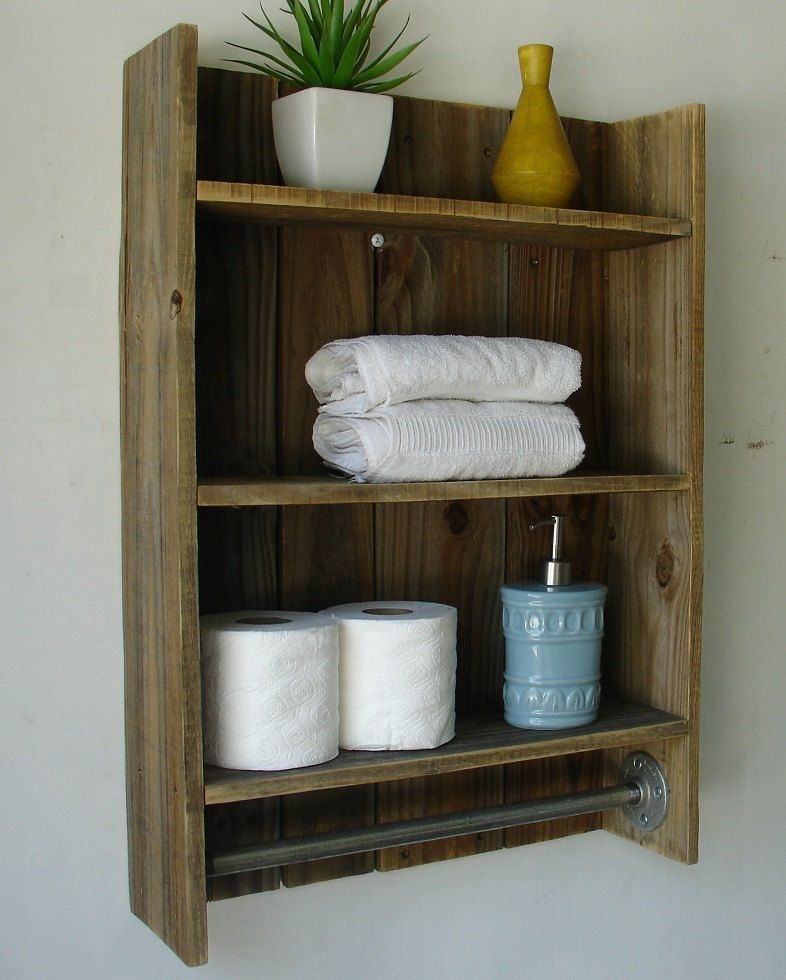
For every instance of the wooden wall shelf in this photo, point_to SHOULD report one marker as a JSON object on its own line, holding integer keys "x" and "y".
{"x": 229, "y": 492}
{"x": 230, "y": 282}
{"x": 434, "y": 216}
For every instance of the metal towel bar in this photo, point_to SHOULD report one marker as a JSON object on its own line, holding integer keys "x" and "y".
{"x": 642, "y": 793}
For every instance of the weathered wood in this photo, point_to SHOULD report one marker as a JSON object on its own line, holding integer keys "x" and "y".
{"x": 480, "y": 741}
{"x": 233, "y": 825}
{"x": 163, "y": 724}
{"x": 235, "y": 492}
{"x": 455, "y": 286}
{"x": 424, "y": 797}
{"x": 281, "y": 271}
{"x": 234, "y": 126}
{"x": 565, "y": 774}
{"x": 655, "y": 417}
{"x": 325, "y": 812}
{"x": 434, "y": 216}
{"x": 237, "y": 394}
{"x": 326, "y": 553}
{"x": 236, "y": 351}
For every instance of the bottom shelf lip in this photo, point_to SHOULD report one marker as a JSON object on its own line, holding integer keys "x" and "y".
{"x": 481, "y": 741}
{"x": 214, "y": 491}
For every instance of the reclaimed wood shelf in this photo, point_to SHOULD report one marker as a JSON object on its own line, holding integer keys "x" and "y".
{"x": 233, "y": 492}
{"x": 492, "y": 221}
{"x": 229, "y": 283}
{"x": 480, "y": 741}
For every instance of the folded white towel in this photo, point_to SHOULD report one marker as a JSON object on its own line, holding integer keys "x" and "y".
{"x": 362, "y": 373}
{"x": 450, "y": 440}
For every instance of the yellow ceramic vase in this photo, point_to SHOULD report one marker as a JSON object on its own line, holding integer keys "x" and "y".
{"x": 535, "y": 164}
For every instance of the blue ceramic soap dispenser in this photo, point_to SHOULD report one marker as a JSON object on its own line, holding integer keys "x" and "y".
{"x": 553, "y": 632}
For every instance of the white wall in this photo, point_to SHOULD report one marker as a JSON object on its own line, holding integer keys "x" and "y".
{"x": 593, "y": 906}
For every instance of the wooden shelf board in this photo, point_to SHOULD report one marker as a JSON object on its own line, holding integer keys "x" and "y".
{"x": 479, "y": 742}
{"x": 272, "y": 204}
{"x": 240, "y": 492}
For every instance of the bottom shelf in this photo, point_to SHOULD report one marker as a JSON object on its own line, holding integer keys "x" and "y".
{"x": 480, "y": 741}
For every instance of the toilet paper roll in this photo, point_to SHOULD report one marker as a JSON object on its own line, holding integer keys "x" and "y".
{"x": 397, "y": 674}
{"x": 269, "y": 689}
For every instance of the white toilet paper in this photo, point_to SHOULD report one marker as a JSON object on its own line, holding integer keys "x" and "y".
{"x": 397, "y": 674}
{"x": 269, "y": 689}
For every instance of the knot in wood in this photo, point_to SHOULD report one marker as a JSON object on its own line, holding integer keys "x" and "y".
{"x": 664, "y": 565}
{"x": 457, "y": 518}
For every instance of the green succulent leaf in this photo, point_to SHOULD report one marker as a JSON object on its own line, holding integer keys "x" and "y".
{"x": 332, "y": 48}
{"x": 381, "y": 66}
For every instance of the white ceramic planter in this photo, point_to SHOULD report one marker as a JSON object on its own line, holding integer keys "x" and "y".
{"x": 332, "y": 139}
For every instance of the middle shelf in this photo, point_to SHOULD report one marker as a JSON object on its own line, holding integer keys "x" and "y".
{"x": 481, "y": 740}
{"x": 272, "y": 491}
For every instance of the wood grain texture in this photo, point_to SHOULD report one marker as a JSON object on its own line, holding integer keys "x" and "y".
{"x": 481, "y": 741}
{"x": 655, "y": 323}
{"x": 565, "y": 774}
{"x": 163, "y": 724}
{"x": 236, "y": 351}
{"x": 237, "y": 201}
{"x": 281, "y": 271}
{"x": 237, "y": 397}
{"x": 238, "y": 492}
{"x": 325, "y": 812}
{"x": 236, "y": 824}
{"x": 326, "y": 552}
{"x": 451, "y": 793}
{"x": 234, "y": 126}
{"x": 453, "y": 286}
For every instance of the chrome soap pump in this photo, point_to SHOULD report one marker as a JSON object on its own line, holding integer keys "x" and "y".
{"x": 553, "y": 631}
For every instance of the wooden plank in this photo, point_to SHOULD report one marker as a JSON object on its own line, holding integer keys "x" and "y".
{"x": 239, "y": 492}
{"x": 234, "y": 825}
{"x": 236, "y": 351}
{"x": 326, "y": 553}
{"x": 236, "y": 386}
{"x": 411, "y": 798}
{"x": 163, "y": 726}
{"x": 677, "y": 838}
{"x": 565, "y": 774}
{"x": 480, "y": 741}
{"x": 655, "y": 421}
{"x": 236, "y": 201}
{"x": 443, "y": 150}
{"x": 456, "y": 286}
{"x": 235, "y": 127}
{"x": 324, "y": 812}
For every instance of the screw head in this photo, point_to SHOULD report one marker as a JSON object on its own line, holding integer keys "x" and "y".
{"x": 377, "y": 239}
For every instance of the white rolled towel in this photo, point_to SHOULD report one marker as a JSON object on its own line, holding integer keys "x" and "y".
{"x": 364, "y": 372}
{"x": 450, "y": 440}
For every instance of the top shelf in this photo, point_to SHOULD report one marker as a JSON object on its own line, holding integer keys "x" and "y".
{"x": 271, "y": 204}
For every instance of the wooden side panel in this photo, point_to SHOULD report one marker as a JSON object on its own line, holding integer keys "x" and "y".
{"x": 655, "y": 354}
{"x": 655, "y": 297}
{"x": 163, "y": 726}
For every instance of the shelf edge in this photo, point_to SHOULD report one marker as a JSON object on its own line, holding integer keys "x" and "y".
{"x": 235, "y": 788}
{"x": 230, "y": 492}
{"x": 276, "y": 204}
